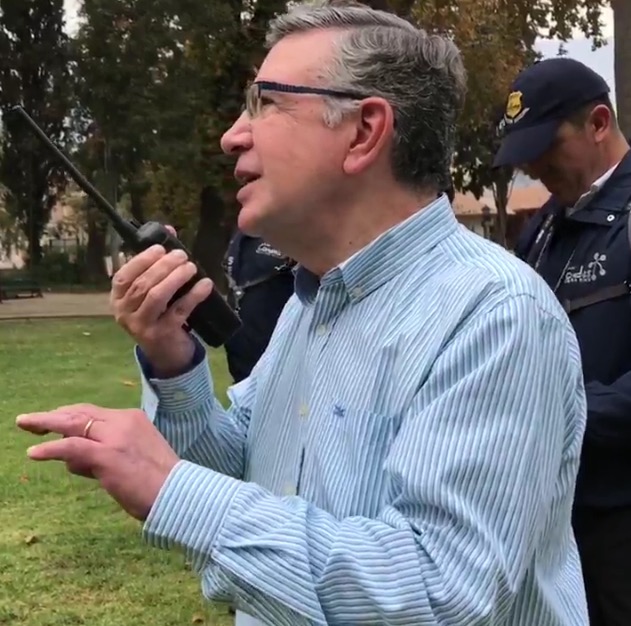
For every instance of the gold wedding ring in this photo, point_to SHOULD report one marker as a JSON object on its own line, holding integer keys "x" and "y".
{"x": 86, "y": 430}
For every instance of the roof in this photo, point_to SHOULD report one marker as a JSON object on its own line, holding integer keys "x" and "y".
{"x": 520, "y": 199}
{"x": 467, "y": 204}
{"x": 525, "y": 198}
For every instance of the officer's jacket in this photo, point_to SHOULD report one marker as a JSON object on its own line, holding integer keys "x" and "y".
{"x": 586, "y": 259}
{"x": 261, "y": 281}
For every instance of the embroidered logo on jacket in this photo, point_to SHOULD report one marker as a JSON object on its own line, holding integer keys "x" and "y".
{"x": 587, "y": 273}
{"x": 267, "y": 250}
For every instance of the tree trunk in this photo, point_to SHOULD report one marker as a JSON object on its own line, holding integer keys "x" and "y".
{"x": 34, "y": 227}
{"x": 107, "y": 183}
{"x": 212, "y": 237}
{"x": 135, "y": 208}
{"x": 96, "y": 250}
{"x": 114, "y": 249}
{"x": 34, "y": 247}
{"x": 501, "y": 190}
{"x": 622, "y": 62}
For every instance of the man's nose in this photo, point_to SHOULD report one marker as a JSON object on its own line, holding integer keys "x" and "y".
{"x": 238, "y": 138}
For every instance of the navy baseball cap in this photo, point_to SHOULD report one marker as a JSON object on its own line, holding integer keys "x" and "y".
{"x": 541, "y": 98}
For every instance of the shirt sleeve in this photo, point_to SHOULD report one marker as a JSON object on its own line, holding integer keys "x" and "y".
{"x": 490, "y": 443}
{"x": 190, "y": 417}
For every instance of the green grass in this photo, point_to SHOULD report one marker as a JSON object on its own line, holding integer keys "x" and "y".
{"x": 68, "y": 555}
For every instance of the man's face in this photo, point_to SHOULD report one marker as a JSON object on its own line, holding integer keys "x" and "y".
{"x": 573, "y": 162}
{"x": 289, "y": 161}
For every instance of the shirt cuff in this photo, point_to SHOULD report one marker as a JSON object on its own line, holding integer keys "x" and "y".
{"x": 189, "y": 511}
{"x": 181, "y": 393}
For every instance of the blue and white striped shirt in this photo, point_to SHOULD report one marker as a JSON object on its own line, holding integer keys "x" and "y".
{"x": 405, "y": 452}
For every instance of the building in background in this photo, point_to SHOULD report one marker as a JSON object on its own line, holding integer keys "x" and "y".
{"x": 479, "y": 215}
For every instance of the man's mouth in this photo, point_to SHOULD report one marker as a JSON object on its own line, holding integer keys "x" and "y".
{"x": 245, "y": 178}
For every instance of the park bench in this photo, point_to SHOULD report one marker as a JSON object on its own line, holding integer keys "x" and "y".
{"x": 18, "y": 284}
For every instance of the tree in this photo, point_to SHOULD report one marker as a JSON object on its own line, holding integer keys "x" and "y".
{"x": 497, "y": 39}
{"x": 34, "y": 72}
{"x": 10, "y": 235}
{"x": 218, "y": 61}
{"x": 493, "y": 52}
{"x": 120, "y": 49}
{"x": 91, "y": 156}
{"x": 163, "y": 80}
{"x": 622, "y": 62}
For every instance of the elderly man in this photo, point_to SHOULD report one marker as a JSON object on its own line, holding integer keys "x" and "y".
{"x": 405, "y": 451}
{"x": 560, "y": 127}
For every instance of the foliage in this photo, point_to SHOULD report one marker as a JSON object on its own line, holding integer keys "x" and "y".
{"x": 497, "y": 39}
{"x": 173, "y": 199}
{"x": 34, "y": 72}
{"x": 11, "y": 237}
{"x": 162, "y": 80}
{"x": 119, "y": 51}
{"x": 60, "y": 266}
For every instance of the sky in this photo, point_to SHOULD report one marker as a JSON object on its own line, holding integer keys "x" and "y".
{"x": 579, "y": 48}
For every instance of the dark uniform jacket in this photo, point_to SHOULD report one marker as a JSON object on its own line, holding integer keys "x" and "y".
{"x": 261, "y": 281}
{"x": 586, "y": 259}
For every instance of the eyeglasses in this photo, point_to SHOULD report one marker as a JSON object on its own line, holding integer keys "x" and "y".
{"x": 254, "y": 99}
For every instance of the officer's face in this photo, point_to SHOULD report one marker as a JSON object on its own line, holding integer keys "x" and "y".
{"x": 289, "y": 160}
{"x": 575, "y": 159}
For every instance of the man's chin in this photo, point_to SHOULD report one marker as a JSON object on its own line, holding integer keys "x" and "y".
{"x": 249, "y": 220}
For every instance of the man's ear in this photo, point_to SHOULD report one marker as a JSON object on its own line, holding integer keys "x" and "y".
{"x": 374, "y": 127}
{"x": 601, "y": 120}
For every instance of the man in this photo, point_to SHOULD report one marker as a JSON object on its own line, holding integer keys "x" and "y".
{"x": 405, "y": 451}
{"x": 560, "y": 128}
{"x": 261, "y": 281}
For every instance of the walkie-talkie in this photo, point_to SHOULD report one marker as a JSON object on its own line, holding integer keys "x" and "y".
{"x": 213, "y": 319}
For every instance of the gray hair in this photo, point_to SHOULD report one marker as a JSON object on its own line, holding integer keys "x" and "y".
{"x": 379, "y": 54}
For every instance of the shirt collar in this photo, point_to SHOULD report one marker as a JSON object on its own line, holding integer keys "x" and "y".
{"x": 386, "y": 256}
{"x": 593, "y": 190}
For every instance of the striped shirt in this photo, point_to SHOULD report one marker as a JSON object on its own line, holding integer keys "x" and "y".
{"x": 405, "y": 452}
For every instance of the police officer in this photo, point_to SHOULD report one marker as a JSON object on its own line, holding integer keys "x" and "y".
{"x": 261, "y": 281}
{"x": 559, "y": 127}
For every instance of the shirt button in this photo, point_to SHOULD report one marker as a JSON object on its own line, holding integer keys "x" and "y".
{"x": 356, "y": 292}
{"x": 303, "y": 411}
{"x": 289, "y": 490}
{"x": 321, "y": 330}
{"x": 179, "y": 395}
{"x": 611, "y": 218}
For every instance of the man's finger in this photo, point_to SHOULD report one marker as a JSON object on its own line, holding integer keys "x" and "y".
{"x": 158, "y": 297}
{"x": 67, "y": 422}
{"x": 155, "y": 276}
{"x": 33, "y": 429}
{"x": 183, "y": 307}
{"x": 137, "y": 265}
{"x": 75, "y": 451}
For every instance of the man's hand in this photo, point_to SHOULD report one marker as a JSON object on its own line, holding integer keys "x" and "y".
{"x": 120, "y": 448}
{"x": 141, "y": 291}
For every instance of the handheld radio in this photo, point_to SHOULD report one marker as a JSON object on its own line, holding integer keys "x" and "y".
{"x": 213, "y": 319}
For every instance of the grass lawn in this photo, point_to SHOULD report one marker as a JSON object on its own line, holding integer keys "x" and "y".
{"x": 68, "y": 555}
